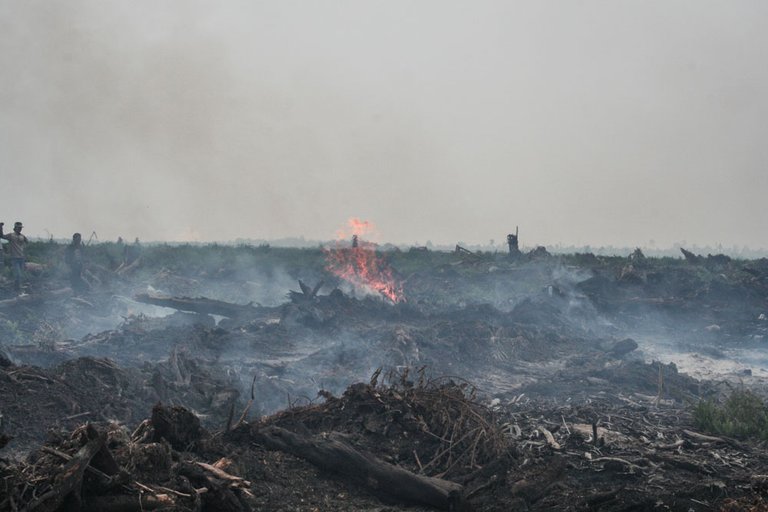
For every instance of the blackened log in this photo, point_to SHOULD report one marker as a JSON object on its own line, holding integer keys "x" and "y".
{"x": 690, "y": 257}
{"x": 334, "y": 454}
{"x": 306, "y": 290}
{"x": 307, "y": 293}
{"x": 201, "y": 305}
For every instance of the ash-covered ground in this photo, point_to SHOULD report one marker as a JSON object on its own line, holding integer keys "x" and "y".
{"x": 532, "y": 383}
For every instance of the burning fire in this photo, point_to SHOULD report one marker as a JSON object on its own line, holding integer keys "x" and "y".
{"x": 360, "y": 265}
{"x": 355, "y": 227}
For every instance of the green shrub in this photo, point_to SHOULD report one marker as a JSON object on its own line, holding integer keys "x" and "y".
{"x": 742, "y": 415}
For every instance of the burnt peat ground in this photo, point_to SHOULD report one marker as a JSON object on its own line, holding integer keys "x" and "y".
{"x": 540, "y": 383}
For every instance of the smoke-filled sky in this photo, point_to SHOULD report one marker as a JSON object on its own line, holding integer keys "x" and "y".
{"x": 590, "y": 122}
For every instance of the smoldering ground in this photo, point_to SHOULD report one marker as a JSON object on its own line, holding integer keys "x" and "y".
{"x": 485, "y": 317}
{"x": 572, "y": 338}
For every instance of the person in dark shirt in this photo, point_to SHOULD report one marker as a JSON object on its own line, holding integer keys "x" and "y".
{"x": 74, "y": 259}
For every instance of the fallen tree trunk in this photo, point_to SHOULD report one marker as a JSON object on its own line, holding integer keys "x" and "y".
{"x": 200, "y": 305}
{"x": 334, "y": 454}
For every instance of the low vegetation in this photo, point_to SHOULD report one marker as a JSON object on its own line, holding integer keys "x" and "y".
{"x": 742, "y": 415}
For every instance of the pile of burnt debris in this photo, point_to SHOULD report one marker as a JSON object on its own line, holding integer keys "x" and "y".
{"x": 491, "y": 383}
{"x": 414, "y": 443}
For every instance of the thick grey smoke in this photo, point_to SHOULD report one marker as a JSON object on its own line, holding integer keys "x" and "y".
{"x": 586, "y": 123}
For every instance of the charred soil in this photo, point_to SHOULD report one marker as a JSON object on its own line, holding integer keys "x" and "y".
{"x": 242, "y": 378}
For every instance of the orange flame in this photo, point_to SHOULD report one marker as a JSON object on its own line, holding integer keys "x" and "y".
{"x": 361, "y": 266}
{"x": 357, "y": 227}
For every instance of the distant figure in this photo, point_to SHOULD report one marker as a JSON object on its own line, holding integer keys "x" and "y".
{"x": 74, "y": 259}
{"x": 17, "y": 244}
{"x": 132, "y": 252}
{"x": 512, "y": 242}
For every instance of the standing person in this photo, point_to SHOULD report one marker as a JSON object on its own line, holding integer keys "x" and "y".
{"x": 132, "y": 252}
{"x": 17, "y": 243}
{"x": 74, "y": 259}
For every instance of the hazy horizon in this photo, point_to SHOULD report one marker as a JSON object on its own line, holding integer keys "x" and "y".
{"x": 584, "y": 123}
{"x": 494, "y": 246}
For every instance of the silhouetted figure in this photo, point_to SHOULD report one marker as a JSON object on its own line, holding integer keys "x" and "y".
{"x": 74, "y": 259}
{"x": 17, "y": 244}
{"x": 514, "y": 249}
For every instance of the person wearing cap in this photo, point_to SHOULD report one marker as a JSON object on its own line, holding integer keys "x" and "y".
{"x": 17, "y": 244}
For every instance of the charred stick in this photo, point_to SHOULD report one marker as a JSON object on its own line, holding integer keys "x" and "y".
{"x": 248, "y": 405}
{"x": 53, "y": 451}
{"x": 439, "y": 455}
{"x": 418, "y": 461}
{"x": 80, "y": 415}
{"x": 70, "y": 478}
{"x": 222, "y": 475}
{"x": 230, "y": 416}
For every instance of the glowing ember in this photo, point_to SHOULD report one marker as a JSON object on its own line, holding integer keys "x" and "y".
{"x": 360, "y": 265}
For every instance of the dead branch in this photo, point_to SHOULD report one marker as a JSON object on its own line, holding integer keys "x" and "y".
{"x": 703, "y": 438}
{"x": 70, "y": 479}
{"x": 550, "y": 438}
{"x": 223, "y": 475}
